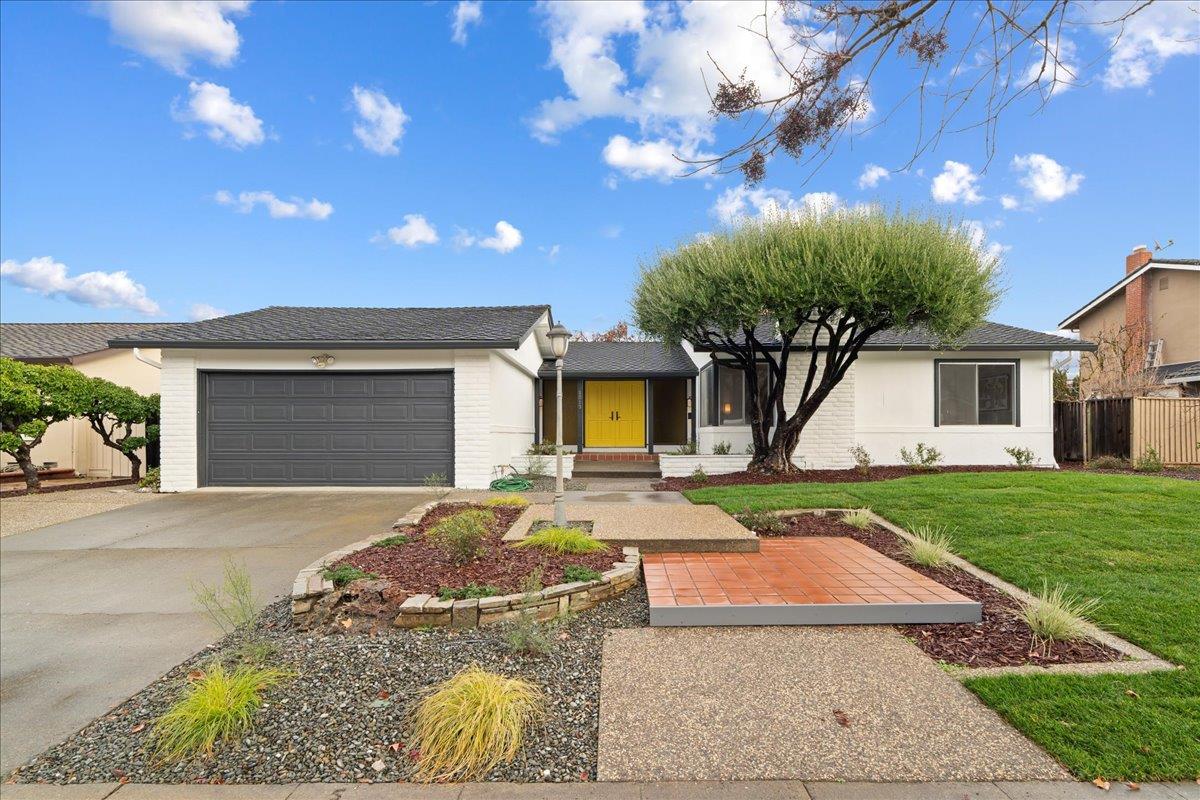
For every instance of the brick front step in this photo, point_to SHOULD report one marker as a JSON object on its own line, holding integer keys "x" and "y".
{"x": 617, "y": 457}
{"x": 615, "y": 469}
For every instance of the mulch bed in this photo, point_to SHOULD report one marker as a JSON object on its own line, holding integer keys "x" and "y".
{"x": 885, "y": 473}
{"x": 342, "y": 717}
{"x": 420, "y": 567}
{"x": 1182, "y": 473}
{"x": 1001, "y": 639}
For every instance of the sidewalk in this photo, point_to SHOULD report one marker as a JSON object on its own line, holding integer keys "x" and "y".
{"x": 697, "y": 790}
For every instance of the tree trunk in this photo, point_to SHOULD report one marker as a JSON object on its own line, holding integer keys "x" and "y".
{"x": 135, "y": 465}
{"x": 25, "y": 461}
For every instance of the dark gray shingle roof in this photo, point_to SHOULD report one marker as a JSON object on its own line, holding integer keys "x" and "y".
{"x": 57, "y": 341}
{"x": 988, "y": 336}
{"x": 1180, "y": 371}
{"x": 299, "y": 326}
{"x": 1189, "y": 261}
{"x": 604, "y": 359}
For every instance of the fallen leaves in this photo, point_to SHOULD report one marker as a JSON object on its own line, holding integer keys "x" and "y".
{"x": 841, "y": 717}
{"x": 1101, "y": 784}
{"x": 141, "y": 726}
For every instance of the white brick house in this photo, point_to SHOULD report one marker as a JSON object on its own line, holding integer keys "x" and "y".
{"x": 400, "y": 396}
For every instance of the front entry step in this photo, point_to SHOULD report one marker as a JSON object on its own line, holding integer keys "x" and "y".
{"x": 615, "y": 469}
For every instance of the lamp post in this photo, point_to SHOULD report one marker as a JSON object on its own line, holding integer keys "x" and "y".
{"x": 559, "y": 336}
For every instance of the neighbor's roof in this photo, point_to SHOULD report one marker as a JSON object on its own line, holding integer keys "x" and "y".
{"x": 1186, "y": 264}
{"x": 623, "y": 359}
{"x": 988, "y": 336}
{"x": 297, "y": 326}
{"x": 1182, "y": 372}
{"x": 61, "y": 341}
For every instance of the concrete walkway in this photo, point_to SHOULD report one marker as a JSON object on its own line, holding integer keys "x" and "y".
{"x": 29, "y": 512}
{"x": 699, "y": 790}
{"x": 822, "y": 704}
{"x": 94, "y": 609}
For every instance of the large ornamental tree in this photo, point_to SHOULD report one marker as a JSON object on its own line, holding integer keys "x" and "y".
{"x": 112, "y": 411}
{"x": 32, "y": 398}
{"x": 806, "y": 293}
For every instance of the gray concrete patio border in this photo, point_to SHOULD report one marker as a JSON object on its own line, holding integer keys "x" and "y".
{"x": 1137, "y": 660}
{"x": 652, "y": 528}
{"x": 815, "y": 614}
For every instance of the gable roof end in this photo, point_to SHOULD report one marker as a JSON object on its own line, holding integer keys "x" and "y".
{"x": 62, "y": 341}
{"x": 1186, "y": 264}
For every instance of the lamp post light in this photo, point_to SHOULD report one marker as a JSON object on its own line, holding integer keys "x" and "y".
{"x": 559, "y": 337}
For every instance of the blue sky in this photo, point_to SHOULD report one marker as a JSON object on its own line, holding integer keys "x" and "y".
{"x": 150, "y": 174}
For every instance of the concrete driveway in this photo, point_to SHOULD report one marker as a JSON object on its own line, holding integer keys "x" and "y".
{"x": 93, "y": 609}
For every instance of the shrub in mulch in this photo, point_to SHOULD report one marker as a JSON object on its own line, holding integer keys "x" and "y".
{"x": 421, "y": 567}
{"x": 1001, "y": 639}
{"x": 818, "y": 476}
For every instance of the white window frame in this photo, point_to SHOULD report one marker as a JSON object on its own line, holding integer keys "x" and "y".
{"x": 1015, "y": 363}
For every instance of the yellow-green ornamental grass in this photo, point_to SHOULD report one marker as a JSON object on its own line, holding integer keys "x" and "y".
{"x": 930, "y": 547}
{"x": 859, "y": 518}
{"x": 563, "y": 541}
{"x": 472, "y": 722}
{"x": 1055, "y": 616}
{"x": 513, "y": 500}
{"x": 215, "y": 707}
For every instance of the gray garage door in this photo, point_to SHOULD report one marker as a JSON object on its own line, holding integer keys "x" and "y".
{"x": 334, "y": 428}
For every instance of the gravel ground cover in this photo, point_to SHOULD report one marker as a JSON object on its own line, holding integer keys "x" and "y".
{"x": 1000, "y": 639}
{"x": 882, "y": 473}
{"x": 420, "y": 567}
{"x": 342, "y": 717}
{"x": 26, "y": 512}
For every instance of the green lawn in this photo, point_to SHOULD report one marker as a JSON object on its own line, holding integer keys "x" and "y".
{"x": 1131, "y": 541}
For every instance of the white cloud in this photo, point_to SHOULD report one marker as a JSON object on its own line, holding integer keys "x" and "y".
{"x": 1045, "y": 178}
{"x": 202, "y": 311}
{"x": 415, "y": 232}
{"x": 956, "y": 183}
{"x": 740, "y": 202}
{"x": 228, "y": 122}
{"x": 645, "y": 159}
{"x": 294, "y": 208}
{"x": 1009, "y": 202}
{"x": 1150, "y": 37}
{"x": 551, "y": 251}
{"x": 671, "y": 53}
{"x": 978, "y": 235}
{"x": 380, "y": 121}
{"x": 871, "y": 175}
{"x": 49, "y": 278}
{"x": 506, "y": 239}
{"x": 466, "y": 14}
{"x": 1051, "y": 76}
{"x": 173, "y": 33}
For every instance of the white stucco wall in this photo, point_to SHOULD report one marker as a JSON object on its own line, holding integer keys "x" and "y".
{"x": 894, "y": 408}
{"x": 483, "y": 430}
{"x": 512, "y": 402}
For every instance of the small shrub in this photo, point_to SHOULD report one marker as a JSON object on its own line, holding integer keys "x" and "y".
{"x": 859, "y": 518}
{"x": 862, "y": 459}
{"x": 761, "y": 522}
{"x": 471, "y": 591}
{"x": 257, "y": 652}
{"x": 699, "y": 475}
{"x": 543, "y": 448}
{"x": 152, "y": 479}
{"x": 343, "y": 574}
{"x": 537, "y": 466}
{"x": 1055, "y": 616}
{"x": 1022, "y": 456}
{"x": 930, "y": 548}
{"x": 749, "y": 449}
{"x": 472, "y": 722}
{"x": 461, "y": 536}
{"x": 526, "y": 634}
{"x": 513, "y": 500}
{"x": 393, "y": 541}
{"x": 1108, "y": 462}
{"x": 577, "y": 573}
{"x": 435, "y": 479}
{"x": 688, "y": 449}
{"x": 563, "y": 541}
{"x": 925, "y": 457}
{"x": 722, "y": 448}
{"x": 1149, "y": 461}
{"x": 218, "y": 706}
{"x": 230, "y": 605}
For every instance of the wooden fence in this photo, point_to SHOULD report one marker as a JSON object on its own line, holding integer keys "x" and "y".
{"x": 1171, "y": 425}
{"x": 1127, "y": 428}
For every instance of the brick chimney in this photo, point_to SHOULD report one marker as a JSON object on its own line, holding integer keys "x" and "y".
{"x": 1137, "y": 311}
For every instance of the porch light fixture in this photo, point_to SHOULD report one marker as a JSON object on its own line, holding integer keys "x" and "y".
{"x": 559, "y": 337}
{"x": 727, "y": 408}
{"x": 322, "y": 361}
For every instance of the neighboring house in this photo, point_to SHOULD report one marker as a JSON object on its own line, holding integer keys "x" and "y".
{"x": 72, "y": 444}
{"x": 389, "y": 396}
{"x": 1148, "y": 327}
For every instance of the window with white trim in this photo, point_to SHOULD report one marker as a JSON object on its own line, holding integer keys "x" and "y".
{"x": 977, "y": 393}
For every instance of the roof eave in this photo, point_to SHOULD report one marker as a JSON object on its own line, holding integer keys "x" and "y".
{"x": 617, "y": 374}
{"x": 936, "y": 348}
{"x": 257, "y": 344}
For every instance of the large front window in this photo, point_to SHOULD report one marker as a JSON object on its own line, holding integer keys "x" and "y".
{"x": 977, "y": 393}
{"x": 725, "y": 395}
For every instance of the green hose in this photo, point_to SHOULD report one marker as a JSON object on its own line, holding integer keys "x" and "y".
{"x": 511, "y": 484}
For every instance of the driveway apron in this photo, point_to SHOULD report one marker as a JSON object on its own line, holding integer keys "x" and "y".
{"x": 93, "y": 609}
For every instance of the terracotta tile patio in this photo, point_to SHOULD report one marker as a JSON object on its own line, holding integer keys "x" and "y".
{"x": 808, "y": 581}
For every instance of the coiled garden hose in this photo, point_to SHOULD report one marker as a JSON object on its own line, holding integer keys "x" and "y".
{"x": 510, "y": 484}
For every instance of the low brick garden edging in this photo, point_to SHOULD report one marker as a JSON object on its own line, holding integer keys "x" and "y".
{"x": 420, "y": 610}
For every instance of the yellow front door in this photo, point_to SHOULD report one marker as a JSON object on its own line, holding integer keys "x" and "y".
{"x": 615, "y": 413}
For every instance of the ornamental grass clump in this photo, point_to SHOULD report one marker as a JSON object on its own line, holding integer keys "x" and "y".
{"x": 461, "y": 536}
{"x": 506, "y": 500}
{"x": 767, "y": 523}
{"x": 1055, "y": 616}
{"x": 563, "y": 541}
{"x": 217, "y": 706}
{"x": 472, "y": 722}
{"x": 858, "y": 518}
{"x": 930, "y": 547}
